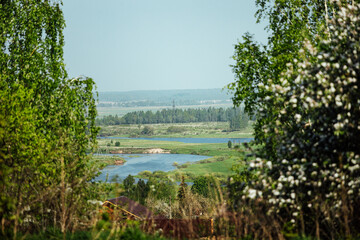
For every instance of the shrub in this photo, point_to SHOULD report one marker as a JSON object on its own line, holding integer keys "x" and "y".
{"x": 159, "y": 174}
{"x": 147, "y": 130}
{"x": 175, "y": 129}
{"x": 146, "y": 173}
{"x": 201, "y": 186}
{"x": 185, "y": 165}
{"x": 313, "y": 183}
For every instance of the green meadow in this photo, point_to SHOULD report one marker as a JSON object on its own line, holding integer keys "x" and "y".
{"x": 192, "y": 130}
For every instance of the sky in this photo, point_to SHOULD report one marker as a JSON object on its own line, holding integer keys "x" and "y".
{"x": 127, "y": 45}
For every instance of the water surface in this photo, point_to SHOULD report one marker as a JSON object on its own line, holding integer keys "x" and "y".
{"x": 140, "y": 162}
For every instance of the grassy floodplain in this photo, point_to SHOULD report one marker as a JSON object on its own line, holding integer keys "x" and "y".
{"x": 103, "y": 161}
{"x": 189, "y": 130}
{"x": 221, "y": 158}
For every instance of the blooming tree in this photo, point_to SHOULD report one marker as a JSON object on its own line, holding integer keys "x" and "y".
{"x": 313, "y": 183}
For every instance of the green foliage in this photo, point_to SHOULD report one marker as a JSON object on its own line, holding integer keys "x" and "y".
{"x": 201, "y": 186}
{"x": 250, "y": 70}
{"x": 147, "y": 130}
{"x": 229, "y": 144}
{"x": 131, "y": 232}
{"x": 159, "y": 174}
{"x": 161, "y": 189}
{"x": 257, "y": 67}
{"x": 201, "y": 129}
{"x": 141, "y": 192}
{"x": 48, "y": 121}
{"x": 135, "y": 233}
{"x": 184, "y": 165}
{"x": 210, "y": 114}
{"x": 182, "y": 192}
{"x": 312, "y": 182}
{"x": 238, "y": 122}
{"x": 137, "y": 192}
{"x": 145, "y": 173}
{"x": 129, "y": 186}
{"x": 236, "y": 184}
{"x": 117, "y": 144}
{"x": 175, "y": 129}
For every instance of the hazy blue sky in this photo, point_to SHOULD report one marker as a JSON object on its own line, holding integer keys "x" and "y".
{"x": 156, "y": 44}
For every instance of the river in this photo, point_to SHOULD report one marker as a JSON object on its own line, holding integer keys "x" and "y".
{"x": 140, "y": 162}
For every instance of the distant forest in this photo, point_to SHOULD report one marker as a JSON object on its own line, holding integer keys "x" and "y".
{"x": 235, "y": 116}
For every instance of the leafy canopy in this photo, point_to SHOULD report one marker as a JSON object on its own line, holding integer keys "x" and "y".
{"x": 47, "y": 120}
{"x": 307, "y": 176}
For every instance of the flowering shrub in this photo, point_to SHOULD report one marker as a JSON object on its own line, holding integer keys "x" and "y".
{"x": 313, "y": 183}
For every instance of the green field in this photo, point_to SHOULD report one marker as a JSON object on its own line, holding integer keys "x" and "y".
{"x": 208, "y": 149}
{"x": 192, "y": 130}
{"x": 220, "y": 169}
{"x": 101, "y": 161}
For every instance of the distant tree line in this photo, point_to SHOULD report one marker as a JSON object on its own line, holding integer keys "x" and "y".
{"x": 235, "y": 116}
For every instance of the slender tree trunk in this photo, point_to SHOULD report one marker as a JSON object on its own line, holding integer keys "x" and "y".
{"x": 326, "y": 16}
{"x": 344, "y": 203}
{"x": 19, "y": 201}
{"x": 302, "y": 223}
{"x": 62, "y": 196}
{"x": 317, "y": 229}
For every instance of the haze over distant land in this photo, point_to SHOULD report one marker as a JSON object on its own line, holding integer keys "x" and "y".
{"x": 170, "y": 98}
{"x": 156, "y": 44}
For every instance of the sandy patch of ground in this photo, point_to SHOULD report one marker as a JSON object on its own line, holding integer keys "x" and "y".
{"x": 137, "y": 150}
{"x": 156, "y": 150}
{"x": 119, "y": 162}
{"x": 116, "y": 152}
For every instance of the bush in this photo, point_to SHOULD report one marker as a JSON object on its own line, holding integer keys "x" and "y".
{"x": 147, "y": 130}
{"x": 185, "y": 165}
{"x": 313, "y": 182}
{"x": 160, "y": 189}
{"x": 159, "y": 174}
{"x": 117, "y": 144}
{"x": 146, "y": 173}
{"x": 175, "y": 129}
{"x": 201, "y": 186}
